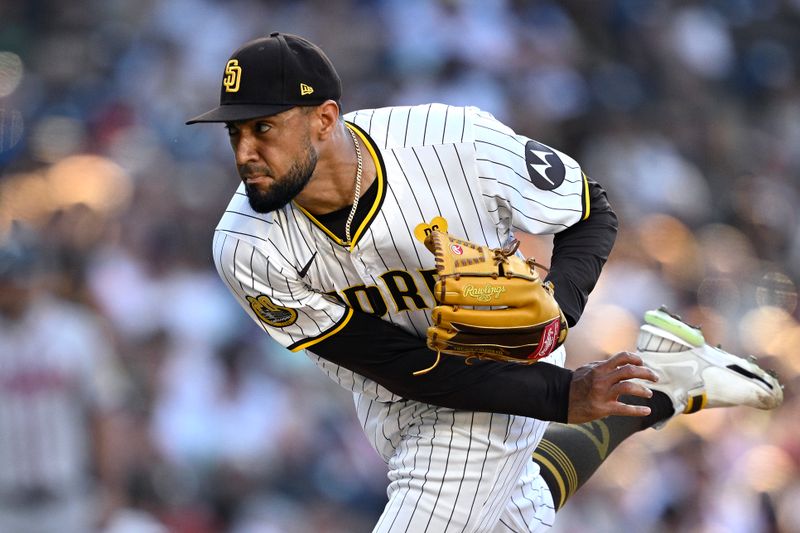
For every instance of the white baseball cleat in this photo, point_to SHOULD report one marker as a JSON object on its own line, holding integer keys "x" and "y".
{"x": 697, "y": 376}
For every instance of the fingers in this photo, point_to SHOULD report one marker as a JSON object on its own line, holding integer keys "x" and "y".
{"x": 623, "y": 409}
{"x": 630, "y": 388}
{"x": 632, "y": 372}
{"x": 622, "y": 358}
{"x": 606, "y": 409}
{"x": 597, "y": 388}
{"x": 627, "y": 365}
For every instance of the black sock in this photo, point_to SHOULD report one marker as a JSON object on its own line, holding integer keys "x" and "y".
{"x": 569, "y": 454}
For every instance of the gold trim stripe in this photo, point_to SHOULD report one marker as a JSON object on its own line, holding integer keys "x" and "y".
{"x": 696, "y": 403}
{"x": 587, "y": 204}
{"x": 319, "y": 224}
{"x": 601, "y": 443}
{"x": 689, "y": 405}
{"x": 334, "y": 331}
{"x": 379, "y": 177}
{"x": 556, "y": 474}
{"x": 566, "y": 465}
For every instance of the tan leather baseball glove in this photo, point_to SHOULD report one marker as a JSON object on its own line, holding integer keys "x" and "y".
{"x": 492, "y": 303}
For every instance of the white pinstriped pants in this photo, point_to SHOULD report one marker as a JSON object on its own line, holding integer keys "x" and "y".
{"x": 458, "y": 471}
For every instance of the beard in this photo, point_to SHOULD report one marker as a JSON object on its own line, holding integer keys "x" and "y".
{"x": 284, "y": 188}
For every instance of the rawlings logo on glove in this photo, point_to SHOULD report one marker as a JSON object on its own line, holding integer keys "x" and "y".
{"x": 492, "y": 304}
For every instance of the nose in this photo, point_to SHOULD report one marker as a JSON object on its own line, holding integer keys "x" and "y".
{"x": 244, "y": 149}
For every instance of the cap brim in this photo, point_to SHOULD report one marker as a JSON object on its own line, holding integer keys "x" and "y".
{"x": 236, "y": 112}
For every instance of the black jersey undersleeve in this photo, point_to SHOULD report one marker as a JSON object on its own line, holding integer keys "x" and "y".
{"x": 579, "y": 253}
{"x": 388, "y": 355}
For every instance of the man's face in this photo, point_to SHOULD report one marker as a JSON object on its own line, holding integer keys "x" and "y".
{"x": 274, "y": 156}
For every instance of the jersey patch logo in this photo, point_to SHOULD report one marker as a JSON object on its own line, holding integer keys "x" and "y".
{"x": 545, "y": 168}
{"x": 456, "y": 249}
{"x": 424, "y": 229}
{"x": 270, "y": 313}
{"x": 233, "y": 76}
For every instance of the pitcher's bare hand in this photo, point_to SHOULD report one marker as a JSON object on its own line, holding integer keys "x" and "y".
{"x": 595, "y": 389}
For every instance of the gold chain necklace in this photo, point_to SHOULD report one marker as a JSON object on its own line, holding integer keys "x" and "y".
{"x": 357, "y": 193}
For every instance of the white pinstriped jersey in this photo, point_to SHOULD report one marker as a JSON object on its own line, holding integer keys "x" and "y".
{"x": 455, "y": 168}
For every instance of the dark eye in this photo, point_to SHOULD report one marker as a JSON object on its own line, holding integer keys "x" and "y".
{"x": 232, "y": 130}
{"x": 262, "y": 127}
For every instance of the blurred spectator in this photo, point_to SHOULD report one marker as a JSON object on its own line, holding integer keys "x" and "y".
{"x": 59, "y": 391}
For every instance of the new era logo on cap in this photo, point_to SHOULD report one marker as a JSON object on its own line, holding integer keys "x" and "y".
{"x": 273, "y": 74}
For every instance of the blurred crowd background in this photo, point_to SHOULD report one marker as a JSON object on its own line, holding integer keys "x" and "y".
{"x": 134, "y": 392}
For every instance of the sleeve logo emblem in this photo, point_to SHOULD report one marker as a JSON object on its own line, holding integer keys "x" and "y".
{"x": 545, "y": 168}
{"x": 233, "y": 76}
{"x": 305, "y": 89}
{"x": 270, "y": 313}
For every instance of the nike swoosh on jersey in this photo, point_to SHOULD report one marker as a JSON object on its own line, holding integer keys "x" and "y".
{"x": 303, "y": 271}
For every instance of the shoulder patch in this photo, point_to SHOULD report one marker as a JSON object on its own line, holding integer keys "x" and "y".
{"x": 270, "y": 313}
{"x": 545, "y": 168}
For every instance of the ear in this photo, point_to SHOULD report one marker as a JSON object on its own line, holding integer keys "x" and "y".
{"x": 327, "y": 114}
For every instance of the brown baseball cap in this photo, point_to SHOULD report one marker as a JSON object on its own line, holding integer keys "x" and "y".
{"x": 272, "y": 74}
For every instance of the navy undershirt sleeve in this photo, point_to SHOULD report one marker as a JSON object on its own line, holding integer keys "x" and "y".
{"x": 579, "y": 253}
{"x": 388, "y": 355}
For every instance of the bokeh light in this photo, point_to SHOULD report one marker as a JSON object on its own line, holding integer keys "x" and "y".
{"x": 11, "y": 71}
{"x": 770, "y": 331}
{"x": 606, "y": 330}
{"x": 778, "y": 290}
{"x": 768, "y": 468}
{"x": 55, "y": 137}
{"x": 23, "y": 197}
{"x": 669, "y": 241}
{"x": 718, "y": 293}
{"x": 93, "y": 181}
{"x": 725, "y": 249}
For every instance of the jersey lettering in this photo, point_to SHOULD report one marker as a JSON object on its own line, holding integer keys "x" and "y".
{"x": 401, "y": 286}
{"x": 375, "y": 305}
{"x": 399, "y": 294}
{"x": 429, "y": 275}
